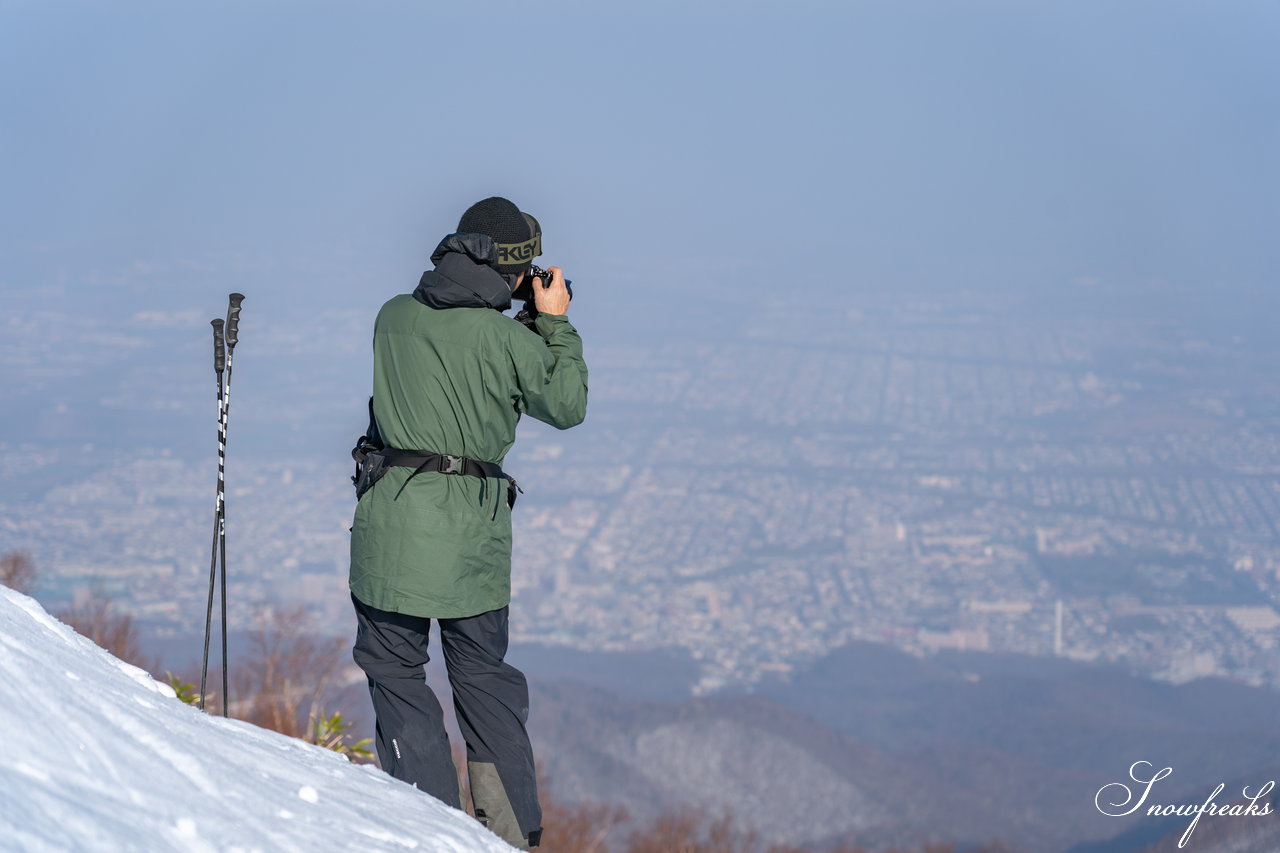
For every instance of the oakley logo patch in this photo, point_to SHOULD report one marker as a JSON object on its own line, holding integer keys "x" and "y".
{"x": 518, "y": 253}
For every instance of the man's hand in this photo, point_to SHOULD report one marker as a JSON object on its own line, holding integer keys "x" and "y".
{"x": 553, "y": 299}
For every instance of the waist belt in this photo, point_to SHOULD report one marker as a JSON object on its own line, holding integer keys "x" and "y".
{"x": 443, "y": 463}
{"x": 372, "y": 462}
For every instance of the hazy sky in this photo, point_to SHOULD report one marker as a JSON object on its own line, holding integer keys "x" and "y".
{"x": 728, "y": 145}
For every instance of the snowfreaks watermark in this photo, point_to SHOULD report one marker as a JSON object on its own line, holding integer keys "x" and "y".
{"x": 1208, "y": 807}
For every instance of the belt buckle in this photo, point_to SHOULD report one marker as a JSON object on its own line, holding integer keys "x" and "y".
{"x": 452, "y": 464}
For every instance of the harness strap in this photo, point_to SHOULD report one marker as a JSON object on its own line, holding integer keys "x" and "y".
{"x": 445, "y": 463}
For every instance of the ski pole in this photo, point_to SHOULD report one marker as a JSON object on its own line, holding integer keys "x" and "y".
{"x": 219, "y": 363}
{"x": 233, "y": 336}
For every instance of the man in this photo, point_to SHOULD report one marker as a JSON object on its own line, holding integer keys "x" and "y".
{"x": 432, "y": 537}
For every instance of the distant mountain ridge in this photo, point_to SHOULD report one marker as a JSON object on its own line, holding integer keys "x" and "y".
{"x": 873, "y": 746}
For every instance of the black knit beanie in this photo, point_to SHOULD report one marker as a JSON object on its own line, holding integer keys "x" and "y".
{"x": 509, "y": 228}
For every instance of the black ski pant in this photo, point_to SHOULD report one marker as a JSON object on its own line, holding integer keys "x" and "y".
{"x": 490, "y": 697}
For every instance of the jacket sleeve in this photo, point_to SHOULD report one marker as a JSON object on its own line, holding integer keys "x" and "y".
{"x": 551, "y": 373}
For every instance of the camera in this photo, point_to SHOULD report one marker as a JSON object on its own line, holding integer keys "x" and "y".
{"x": 525, "y": 290}
{"x": 529, "y": 313}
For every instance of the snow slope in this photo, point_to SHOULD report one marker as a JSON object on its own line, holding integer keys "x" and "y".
{"x": 99, "y": 756}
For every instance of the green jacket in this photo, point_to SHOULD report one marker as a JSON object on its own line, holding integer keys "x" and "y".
{"x": 453, "y": 375}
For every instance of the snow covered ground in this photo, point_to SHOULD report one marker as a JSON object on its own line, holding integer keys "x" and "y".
{"x": 98, "y": 756}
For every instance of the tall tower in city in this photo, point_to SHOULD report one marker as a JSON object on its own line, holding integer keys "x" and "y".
{"x": 1057, "y": 629}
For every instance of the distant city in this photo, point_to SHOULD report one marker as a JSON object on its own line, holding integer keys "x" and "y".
{"x": 915, "y": 475}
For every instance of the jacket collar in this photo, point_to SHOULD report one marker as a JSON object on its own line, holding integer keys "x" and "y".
{"x": 464, "y": 276}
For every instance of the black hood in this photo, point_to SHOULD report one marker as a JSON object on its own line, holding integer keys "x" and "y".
{"x": 464, "y": 276}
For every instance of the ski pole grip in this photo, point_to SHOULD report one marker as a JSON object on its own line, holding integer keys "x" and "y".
{"x": 219, "y": 351}
{"x": 233, "y": 319}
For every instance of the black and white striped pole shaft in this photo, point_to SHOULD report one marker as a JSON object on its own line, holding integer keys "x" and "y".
{"x": 234, "y": 302}
{"x": 219, "y": 366}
